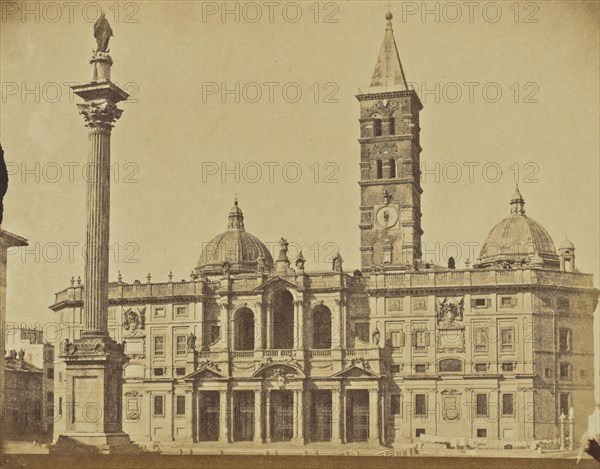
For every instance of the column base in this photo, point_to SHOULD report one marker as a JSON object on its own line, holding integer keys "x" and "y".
{"x": 100, "y": 443}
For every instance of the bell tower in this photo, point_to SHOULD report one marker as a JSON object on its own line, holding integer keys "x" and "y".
{"x": 390, "y": 211}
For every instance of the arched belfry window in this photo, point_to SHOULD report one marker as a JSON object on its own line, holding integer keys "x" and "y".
{"x": 392, "y": 168}
{"x": 392, "y": 126}
{"x": 377, "y": 128}
{"x": 379, "y": 166}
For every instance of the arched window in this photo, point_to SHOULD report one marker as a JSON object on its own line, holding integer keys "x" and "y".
{"x": 244, "y": 330}
{"x": 392, "y": 168}
{"x": 283, "y": 320}
{"x": 392, "y": 126}
{"x": 322, "y": 327}
{"x": 377, "y": 132}
{"x": 450, "y": 365}
{"x": 379, "y": 166}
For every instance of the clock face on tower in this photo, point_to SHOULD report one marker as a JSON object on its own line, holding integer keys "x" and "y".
{"x": 386, "y": 216}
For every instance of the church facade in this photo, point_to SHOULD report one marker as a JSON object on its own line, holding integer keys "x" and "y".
{"x": 252, "y": 348}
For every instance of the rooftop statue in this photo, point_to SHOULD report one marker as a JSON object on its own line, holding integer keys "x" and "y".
{"x": 102, "y": 32}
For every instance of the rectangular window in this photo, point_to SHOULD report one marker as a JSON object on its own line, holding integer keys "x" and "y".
{"x": 420, "y": 339}
{"x": 479, "y": 302}
{"x": 481, "y": 433}
{"x": 395, "y": 404}
{"x": 547, "y": 372}
{"x": 481, "y": 341}
{"x": 50, "y": 396}
{"x": 480, "y": 367}
{"x": 159, "y": 406}
{"x": 159, "y": 371}
{"x": 564, "y": 340}
{"x": 395, "y": 369}
{"x": 397, "y": 338}
{"x": 181, "y": 344}
{"x": 419, "y": 432}
{"x": 420, "y": 405}
{"x": 565, "y": 403}
{"x": 60, "y": 406}
{"x": 420, "y": 304}
{"x": 159, "y": 312}
{"x": 180, "y": 371}
{"x": 159, "y": 345}
{"x": 181, "y": 311}
{"x": 508, "y": 366}
{"x": 508, "y": 407}
{"x": 508, "y": 302}
{"x": 565, "y": 371}
{"x": 180, "y": 407}
{"x": 482, "y": 405}
{"x": 507, "y": 339}
{"x": 420, "y": 368}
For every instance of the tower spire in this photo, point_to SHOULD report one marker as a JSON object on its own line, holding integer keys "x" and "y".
{"x": 388, "y": 74}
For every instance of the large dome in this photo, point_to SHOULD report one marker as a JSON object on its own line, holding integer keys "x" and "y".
{"x": 518, "y": 240}
{"x": 235, "y": 249}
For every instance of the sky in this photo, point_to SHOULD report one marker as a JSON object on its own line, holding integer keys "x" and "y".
{"x": 257, "y": 100}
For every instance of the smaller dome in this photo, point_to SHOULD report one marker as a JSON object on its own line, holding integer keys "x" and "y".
{"x": 518, "y": 240}
{"x": 566, "y": 244}
{"x": 236, "y": 248}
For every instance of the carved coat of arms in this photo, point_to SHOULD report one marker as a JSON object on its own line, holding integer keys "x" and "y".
{"x": 134, "y": 321}
{"x": 450, "y": 312}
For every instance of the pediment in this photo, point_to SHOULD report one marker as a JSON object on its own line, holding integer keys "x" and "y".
{"x": 356, "y": 371}
{"x": 205, "y": 372}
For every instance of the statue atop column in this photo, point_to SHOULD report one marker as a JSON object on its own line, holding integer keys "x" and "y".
{"x": 102, "y": 32}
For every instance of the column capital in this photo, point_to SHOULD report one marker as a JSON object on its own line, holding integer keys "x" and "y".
{"x": 99, "y": 114}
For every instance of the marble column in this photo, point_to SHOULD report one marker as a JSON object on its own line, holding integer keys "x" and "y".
{"x": 258, "y": 408}
{"x": 336, "y": 416}
{"x": 223, "y": 416}
{"x": 373, "y": 416}
{"x": 94, "y": 363}
{"x": 268, "y": 416}
{"x": 298, "y": 324}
